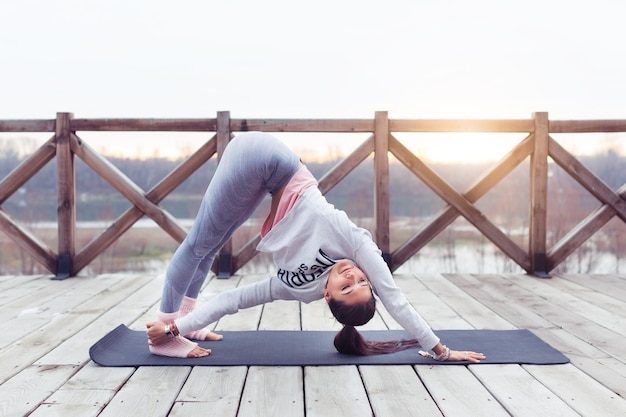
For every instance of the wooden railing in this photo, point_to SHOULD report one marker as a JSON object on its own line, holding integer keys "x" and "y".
{"x": 537, "y": 144}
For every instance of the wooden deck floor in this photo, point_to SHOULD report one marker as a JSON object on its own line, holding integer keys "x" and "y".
{"x": 48, "y": 326}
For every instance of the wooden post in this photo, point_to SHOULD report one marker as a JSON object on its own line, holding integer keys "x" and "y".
{"x": 381, "y": 183}
{"x": 66, "y": 197}
{"x": 225, "y": 256}
{"x": 539, "y": 196}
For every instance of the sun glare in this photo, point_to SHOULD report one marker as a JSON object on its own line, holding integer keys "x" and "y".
{"x": 322, "y": 147}
{"x": 461, "y": 147}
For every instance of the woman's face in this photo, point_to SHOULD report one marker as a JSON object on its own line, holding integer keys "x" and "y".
{"x": 348, "y": 284}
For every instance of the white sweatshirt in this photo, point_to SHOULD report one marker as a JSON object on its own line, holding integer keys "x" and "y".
{"x": 305, "y": 244}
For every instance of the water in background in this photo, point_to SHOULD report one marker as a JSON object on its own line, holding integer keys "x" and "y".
{"x": 472, "y": 256}
{"x": 466, "y": 259}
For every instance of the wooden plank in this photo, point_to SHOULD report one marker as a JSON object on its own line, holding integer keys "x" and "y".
{"x": 397, "y": 391}
{"x": 86, "y": 393}
{"x": 436, "y": 312}
{"x": 211, "y": 391}
{"x": 209, "y": 125}
{"x": 13, "y": 287}
{"x": 24, "y": 392}
{"x": 612, "y": 285}
{"x": 273, "y": 391}
{"x": 17, "y": 293}
{"x": 519, "y": 393}
{"x": 539, "y": 196}
{"x": 247, "y": 319}
{"x": 587, "y": 126}
{"x": 461, "y": 125}
{"x": 598, "y": 308}
{"x": 11, "y": 279}
{"x": 466, "y": 307}
{"x": 56, "y": 331}
{"x": 572, "y": 321}
{"x": 223, "y": 264}
{"x": 27, "y": 125}
{"x": 457, "y": 392}
{"x": 66, "y": 192}
{"x": 27, "y": 315}
{"x": 145, "y": 125}
{"x": 496, "y": 293}
{"x": 70, "y": 403}
{"x": 578, "y": 390}
{"x": 131, "y": 301}
{"x": 317, "y": 316}
{"x": 281, "y": 315}
{"x": 607, "y": 371}
{"x": 302, "y": 125}
{"x": 334, "y": 391}
{"x": 92, "y": 376}
{"x": 317, "y": 125}
{"x": 382, "y": 210}
{"x": 527, "y": 310}
{"x": 387, "y": 321}
{"x": 151, "y": 391}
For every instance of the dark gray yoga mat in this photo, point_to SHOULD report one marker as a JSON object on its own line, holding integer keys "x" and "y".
{"x": 125, "y": 347}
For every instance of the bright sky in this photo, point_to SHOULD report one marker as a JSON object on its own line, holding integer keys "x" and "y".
{"x": 324, "y": 59}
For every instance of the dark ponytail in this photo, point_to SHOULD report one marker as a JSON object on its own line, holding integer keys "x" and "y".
{"x": 349, "y": 341}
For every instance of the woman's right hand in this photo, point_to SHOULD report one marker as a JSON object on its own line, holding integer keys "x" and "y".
{"x": 156, "y": 333}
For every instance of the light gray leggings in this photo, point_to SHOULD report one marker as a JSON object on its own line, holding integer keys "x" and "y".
{"x": 252, "y": 165}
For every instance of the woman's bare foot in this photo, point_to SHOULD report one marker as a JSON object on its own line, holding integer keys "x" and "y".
{"x": 178, "y": 347}
{"x": 204, "y": 334}
{"x": 199, "y": 352}
{"x": 213, "y": 337}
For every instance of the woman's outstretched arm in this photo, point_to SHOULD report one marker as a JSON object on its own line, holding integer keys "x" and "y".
{"x": 401, "y": 310}
{"x": 224, "y": 303}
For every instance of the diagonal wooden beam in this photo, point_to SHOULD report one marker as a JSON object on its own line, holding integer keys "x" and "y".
{"x": 460, "y": 203}
{"x": 155, "y": 195}
{"x": 345, "y": 166}
{"x": 581, "y": 233}
{"x": 27, "y": 169}
{"x": 28, "y": 241}
{"x": 587, "y": 179}
{"x": 446, "y": 216}
{"x": 126, "y": 187}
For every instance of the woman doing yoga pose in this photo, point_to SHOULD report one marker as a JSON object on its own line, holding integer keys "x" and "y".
{"x": 318, "y": 253}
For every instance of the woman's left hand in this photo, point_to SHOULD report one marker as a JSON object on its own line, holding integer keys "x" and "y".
{"x": 465, "y": 356}
{"x": 449, "y": 355}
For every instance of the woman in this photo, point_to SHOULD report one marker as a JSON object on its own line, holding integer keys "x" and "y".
{"x": 318, "y": 252}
